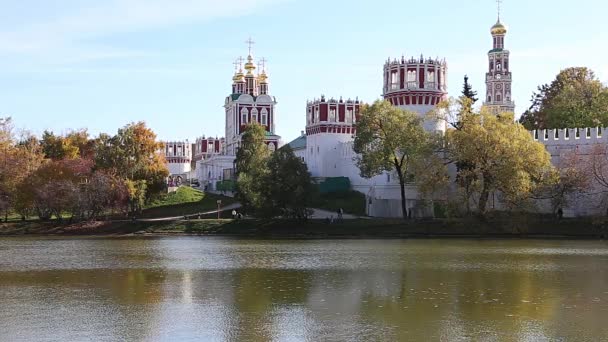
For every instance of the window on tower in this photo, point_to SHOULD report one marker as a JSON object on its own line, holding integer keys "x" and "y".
{"x": 506, "y": 65}
{"x": 497, "y": 97}
{"x": 489, "y": 98}
{"x": 394, "y": 79}
{"x": 316, "y": 114}
{"x": 349, "y": 116}
{"x": 498, "y": 66}
{"x": 244, "y": 114}
{"x": 411, "y": 79}
{"x": 430, "y": 80}
{"x": 264, "y": 117}
{"x": 254, "y": 115}
{"x": 332, "y": 115}
{"x": 491, "y": 65}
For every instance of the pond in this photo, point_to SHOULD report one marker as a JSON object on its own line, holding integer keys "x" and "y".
{"x": 219, "y": 289}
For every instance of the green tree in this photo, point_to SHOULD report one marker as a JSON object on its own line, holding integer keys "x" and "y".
{"x": 576, "y": 98}
{"x": 252, "y": 168}
{"x": 468, "y": 92}
{"x": 387, "y": 139}
{"x": 501, "y": 156}
{"x": 288, "y": 186}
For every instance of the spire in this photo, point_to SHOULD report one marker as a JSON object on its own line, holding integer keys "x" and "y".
{"x": 498, "y": 28}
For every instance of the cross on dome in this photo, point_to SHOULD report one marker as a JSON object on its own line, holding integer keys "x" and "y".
{"x": 498, "y": 3}
{"x": 250, "y": 43}
{"x": 262, "y": 64}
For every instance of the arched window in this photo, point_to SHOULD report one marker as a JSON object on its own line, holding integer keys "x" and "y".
{"x": 264, "y": 117}
{"x": 497, "y": 66}
{"x": 316, "y": 114}
{"x": 254, "y": 115}
{"x": 394, "y": 79}
{"x": 244, "y": 114}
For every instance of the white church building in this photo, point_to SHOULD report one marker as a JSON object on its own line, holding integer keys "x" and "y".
{"x": 249, "y": 101}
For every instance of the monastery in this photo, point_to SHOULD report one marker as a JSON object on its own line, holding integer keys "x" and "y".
{"x": 326, "y": 144}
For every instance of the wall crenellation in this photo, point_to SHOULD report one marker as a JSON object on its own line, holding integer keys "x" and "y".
{"x": 573, "y": 136}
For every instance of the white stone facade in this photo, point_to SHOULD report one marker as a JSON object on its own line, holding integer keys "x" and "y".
{"x": 179, "y": 161}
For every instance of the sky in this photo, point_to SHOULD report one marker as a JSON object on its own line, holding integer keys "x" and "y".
{"x": 71, "y": 64}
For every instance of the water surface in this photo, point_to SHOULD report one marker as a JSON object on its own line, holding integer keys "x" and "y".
{"x": 215, "y": 289}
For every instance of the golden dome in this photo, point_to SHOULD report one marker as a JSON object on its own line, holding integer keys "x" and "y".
{"x": 263, "y": 78}
{"x": 249, "y": 66}
{"x": 499, "y": 28}
{"x": 238, "y": 77}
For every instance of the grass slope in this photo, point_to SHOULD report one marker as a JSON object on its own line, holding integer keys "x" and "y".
{"x": 185, "y": 201}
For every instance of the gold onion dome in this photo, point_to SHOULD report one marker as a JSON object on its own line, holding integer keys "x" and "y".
{"x": 249, "y": 66}
{"x": 263, "y": 78}
{"x": 238, "y": 77}
{"x": 499, "y": 28}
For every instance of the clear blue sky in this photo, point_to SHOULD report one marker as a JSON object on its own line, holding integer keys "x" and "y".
{"x": 68, "y": 64}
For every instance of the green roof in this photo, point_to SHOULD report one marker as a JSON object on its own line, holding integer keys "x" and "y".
{"x": 496, "y": 50}
{"x": 298, "y": 143}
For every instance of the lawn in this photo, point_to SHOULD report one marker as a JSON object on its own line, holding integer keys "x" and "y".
{"x": 185, "y": 201}
{"x": 352, "y": 202}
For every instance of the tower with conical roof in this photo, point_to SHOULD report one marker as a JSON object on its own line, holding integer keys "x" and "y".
{"x": 499, "y": 78}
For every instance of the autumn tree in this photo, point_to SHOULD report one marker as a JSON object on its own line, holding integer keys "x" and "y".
{"x": 74, "y": 144}
{"x": 133, "y": 154}
{"x": 19, "y": 157}
{"x": 572, "y": 177}
{"x": 501, "y": 156}
{"x": 576, "y": 98}
{"x": 387, "y": 139}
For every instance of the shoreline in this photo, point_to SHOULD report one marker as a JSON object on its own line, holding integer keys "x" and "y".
{"x": 467, "y": 228}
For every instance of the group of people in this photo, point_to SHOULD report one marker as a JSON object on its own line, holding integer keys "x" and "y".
{"x": 236, "y": 215}
{"x": 340, "y": 216}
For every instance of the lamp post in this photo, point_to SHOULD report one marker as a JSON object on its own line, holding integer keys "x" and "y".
{"x": 219, "y": 203}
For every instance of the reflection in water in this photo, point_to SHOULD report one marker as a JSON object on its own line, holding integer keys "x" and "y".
{"x": 262, "y": 290}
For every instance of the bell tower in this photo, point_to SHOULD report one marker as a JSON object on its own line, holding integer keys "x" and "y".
{"x": 499, "y": 78}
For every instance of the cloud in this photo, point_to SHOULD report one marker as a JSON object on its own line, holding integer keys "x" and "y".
{"x": 73, "y": 31}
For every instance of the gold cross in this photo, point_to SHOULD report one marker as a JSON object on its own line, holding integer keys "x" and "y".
{"x": 240, "y": 61}
{"x": 236, "y": 65}
{"x": 262, "y": 62}
{"x": 498, "y": 2}
{"x": 249, "y": 42}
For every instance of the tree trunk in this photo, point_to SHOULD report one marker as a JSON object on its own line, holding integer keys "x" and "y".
{"x": 402, "y": 186}
{"x": 483, "y": 197}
